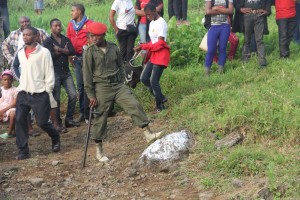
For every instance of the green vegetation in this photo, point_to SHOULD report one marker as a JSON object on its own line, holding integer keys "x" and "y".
{"x": 264, "y": 105}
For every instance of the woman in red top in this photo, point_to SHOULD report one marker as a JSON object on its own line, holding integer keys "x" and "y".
{"x": 160, "y": 55}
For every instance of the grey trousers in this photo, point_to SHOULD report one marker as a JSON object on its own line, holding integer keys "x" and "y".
{"x": 254, "y": 23}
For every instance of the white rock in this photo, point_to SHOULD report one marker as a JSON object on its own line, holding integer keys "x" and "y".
{"x": 36, "y": 182}
{"x": 169, "y": 147}
{"x": 55, "y": 162}
{"x": 237, "y": 182}
{"x": 142, "y": 194}
{"x": 44, "y": 185}
{"x": 9, "y": 190}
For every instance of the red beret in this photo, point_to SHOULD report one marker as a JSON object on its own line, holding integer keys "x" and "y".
{"x": 97, "y": 28}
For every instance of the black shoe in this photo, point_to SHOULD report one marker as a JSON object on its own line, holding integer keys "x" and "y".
{"x": 23, "y": 156}
{"x": 81, "y": 118}
{"x": 263, "y": 63}
{"x": 165, "y": 99}
{"x": 72, "y": 123}
{"x": 160, "y": 108}
{"x": 56, "y": 146}
{"x": 112, "y": 114}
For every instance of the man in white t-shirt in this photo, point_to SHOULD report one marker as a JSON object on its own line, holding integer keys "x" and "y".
{"x": 124, "y": 27}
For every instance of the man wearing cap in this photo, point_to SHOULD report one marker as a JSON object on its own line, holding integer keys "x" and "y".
{"x": 36, "y": 85}
{"x": 103, "y": 76}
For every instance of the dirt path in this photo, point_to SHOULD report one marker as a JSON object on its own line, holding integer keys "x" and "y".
{"x": 65, "y": 180}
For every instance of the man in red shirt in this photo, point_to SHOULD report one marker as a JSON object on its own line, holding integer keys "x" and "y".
{"x": 77, "y": 32}
{"x": 286, "y": 22}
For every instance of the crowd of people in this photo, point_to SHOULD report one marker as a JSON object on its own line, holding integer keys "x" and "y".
{"x": 40, "y": 62}
{"x": 226, "y": 17}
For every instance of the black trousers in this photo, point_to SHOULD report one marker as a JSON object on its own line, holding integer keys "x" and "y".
{"x": 170, "y": 9}
{"x": 126, "y": 42}
{"x": 40, "y": 104}
{"x": 286, "y": 30}
{"x": 180, "y": 9}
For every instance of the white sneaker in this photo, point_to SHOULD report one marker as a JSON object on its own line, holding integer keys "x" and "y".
{"x": 151, "y": 136}
{"x": 99, "y": 153}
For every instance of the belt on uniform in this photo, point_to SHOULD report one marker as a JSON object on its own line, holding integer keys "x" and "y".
{"x": 113, "y": 79}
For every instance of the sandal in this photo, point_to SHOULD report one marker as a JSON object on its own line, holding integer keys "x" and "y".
{"x": 62, "y": 129}
{"x": 11, "y": 135}
{"x": 34, "y": 133}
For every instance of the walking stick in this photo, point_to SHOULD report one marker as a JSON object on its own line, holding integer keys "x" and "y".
{"x": 88, "y": 136}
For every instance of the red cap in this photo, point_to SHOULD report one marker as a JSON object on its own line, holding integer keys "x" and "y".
{"x": 97, "y": 28}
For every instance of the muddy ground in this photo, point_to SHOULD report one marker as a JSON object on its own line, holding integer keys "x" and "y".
{"x": 48, "y": 175}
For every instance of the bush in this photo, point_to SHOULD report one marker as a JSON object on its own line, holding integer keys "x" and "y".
{"x": 184, "y": 42}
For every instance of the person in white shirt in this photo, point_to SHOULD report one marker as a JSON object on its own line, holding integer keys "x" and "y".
{"x": 125, "y": 28}
{"x": 36, "y": 83}
{"x": 159, "y": 53}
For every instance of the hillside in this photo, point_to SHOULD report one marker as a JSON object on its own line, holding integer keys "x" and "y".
{"x": 261, "y": 104}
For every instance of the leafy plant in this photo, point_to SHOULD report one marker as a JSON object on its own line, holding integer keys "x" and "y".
{"x": 184, "y": 42}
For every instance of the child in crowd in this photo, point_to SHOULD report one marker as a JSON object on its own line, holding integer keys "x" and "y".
{"x": 8, "y": 103}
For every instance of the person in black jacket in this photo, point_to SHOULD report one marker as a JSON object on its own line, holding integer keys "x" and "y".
{"x": 251, "y": 17}
{"x": 60, "y": 48}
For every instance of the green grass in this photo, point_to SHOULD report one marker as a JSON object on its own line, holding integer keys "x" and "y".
{"x": 262, "y": 104}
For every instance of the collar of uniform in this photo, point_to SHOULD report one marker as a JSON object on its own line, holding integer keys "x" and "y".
{"x": 108, "y": 45}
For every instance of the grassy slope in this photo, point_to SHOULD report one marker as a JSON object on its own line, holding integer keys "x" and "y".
{"x": 264, "y": 104}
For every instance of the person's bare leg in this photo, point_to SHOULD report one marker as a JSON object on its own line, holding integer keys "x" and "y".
{"x": 30, "y": 128}
{"x": 53, "y": 118}
{"x": 11, "y": 126}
